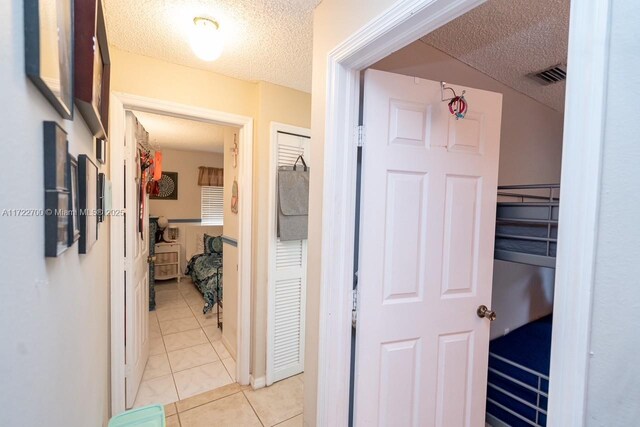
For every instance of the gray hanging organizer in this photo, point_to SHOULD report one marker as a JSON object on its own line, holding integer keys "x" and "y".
{"x": 293, "y": 201}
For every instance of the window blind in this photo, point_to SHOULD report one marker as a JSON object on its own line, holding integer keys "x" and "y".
{"x": 211, "y": 205}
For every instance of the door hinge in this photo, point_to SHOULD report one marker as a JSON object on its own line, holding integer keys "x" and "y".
{"x": 360, "y": 136}
{"x": 354, "y": 307}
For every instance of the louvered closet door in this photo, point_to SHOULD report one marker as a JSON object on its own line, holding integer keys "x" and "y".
{"x": 287, "y": 281}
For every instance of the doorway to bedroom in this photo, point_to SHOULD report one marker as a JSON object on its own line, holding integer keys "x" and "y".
{"x": 185, "y": 236}
{"x": 193, "y": 240}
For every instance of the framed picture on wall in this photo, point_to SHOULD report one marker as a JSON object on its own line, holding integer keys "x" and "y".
{"x": 92, "y": 65}
{"x": 74, "y": 205}
{"x": 88, "y": 201}
{"x": 101, "y": 182}
{"x": 48, "y": 48}
{"x": 168, "y": 184}
{"x": 101, "y": 150}
{"x": 56, "y": 222}
{"x": 55, "y": 157}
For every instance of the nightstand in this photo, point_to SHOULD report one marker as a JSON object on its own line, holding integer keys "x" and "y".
{"x": 167, "y": 264}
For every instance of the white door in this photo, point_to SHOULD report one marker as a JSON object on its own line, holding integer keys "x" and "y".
{"x": 426, "y": 254}
{"x": 287, "y": 279}
{"x": 137, "y": 268}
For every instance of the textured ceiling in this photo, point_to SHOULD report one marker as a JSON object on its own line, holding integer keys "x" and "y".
{"x": 509, "y": 39}
{"x": 182, "y": 134}
{"x": 268, "y": 40}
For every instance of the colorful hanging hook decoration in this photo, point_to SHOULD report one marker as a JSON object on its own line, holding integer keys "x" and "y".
{"x": 458, "y": 107}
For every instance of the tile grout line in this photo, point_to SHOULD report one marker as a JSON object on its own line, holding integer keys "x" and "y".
{"x": 244, "y": 394}
{"x": 201, "y": 328}
{"x": 288, "y": 419}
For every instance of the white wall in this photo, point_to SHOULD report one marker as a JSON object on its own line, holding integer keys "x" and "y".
{"x": 530, "y": 153}
{"x": 53, "y": 312}
{"x": 613, "y": 397}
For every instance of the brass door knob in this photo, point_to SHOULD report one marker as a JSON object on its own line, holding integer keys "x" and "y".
{"x": 483, "y": 311}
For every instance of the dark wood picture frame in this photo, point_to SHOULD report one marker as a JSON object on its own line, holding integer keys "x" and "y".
{"x": 56, "y": 149}
{"x": 92, "y": 65}
{"x": 56, "y": 222}
{"x": 56, "y": 85}
{"x": 88, "y": 201}
{"x": 74, "y": 205}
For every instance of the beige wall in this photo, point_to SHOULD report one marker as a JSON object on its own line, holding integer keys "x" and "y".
{"x": 186, "y": 164}
{"x": 230, "y": 230}
{"x": 144, "y": 76}
{"x": 54, "y": 312}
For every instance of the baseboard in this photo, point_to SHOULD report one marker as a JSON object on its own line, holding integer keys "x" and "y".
{"x": 257, "y": 383}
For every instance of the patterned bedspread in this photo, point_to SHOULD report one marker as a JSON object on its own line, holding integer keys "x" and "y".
{"x": 205, "y": 271}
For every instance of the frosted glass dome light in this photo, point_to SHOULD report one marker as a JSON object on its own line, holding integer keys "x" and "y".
{"x": 206, "y": 39}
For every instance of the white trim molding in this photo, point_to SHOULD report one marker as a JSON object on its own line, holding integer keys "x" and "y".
{"x": 403, "y": 23}
{"x": 120, "y": 102}
{"x": 584, "y": 121}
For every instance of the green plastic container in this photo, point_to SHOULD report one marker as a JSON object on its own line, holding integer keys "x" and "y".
{"x": 147, "y": 416}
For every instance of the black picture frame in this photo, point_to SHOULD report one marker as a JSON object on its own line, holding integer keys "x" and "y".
{"x": 49, "y": 51}
{"x": 56, "y": 222}
{"x": 101, "y": 180}
{"x": 74, "y": 204}
{"x": 55, "y": 157}
{"x": 88, "y": 201}
{"x": 168, "y": 183}
{"x": 101, "y": 150}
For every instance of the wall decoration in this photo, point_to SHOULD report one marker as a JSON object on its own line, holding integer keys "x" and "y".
{"x": 101, "y": 150}
{"x": 235, "y": 151}
{"x": 234, "y": 197}
{"x": 88, "y": 200}
{"x": 56, "y": 222}
{"x": 92, "y": 65}
{"x": 100, "y": 212}
{"x": 74, "y": 206}
{"x": 168, "y": 187}
{"x": 55, "y": 157}
{"x": 48, "y": 31}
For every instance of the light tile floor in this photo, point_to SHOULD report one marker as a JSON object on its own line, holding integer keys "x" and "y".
{"x": 187, "y": 356}
{"x": 191, "y": 372}
{"x": 239, "y": 406}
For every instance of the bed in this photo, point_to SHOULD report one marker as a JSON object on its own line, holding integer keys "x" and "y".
{"x": 518, "y": 382}
{"x": 205, "y": 268}
{"x": 527, "y": 224}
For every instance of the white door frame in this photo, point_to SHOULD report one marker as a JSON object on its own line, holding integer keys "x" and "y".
{"x": 119, "y": 103}
{"x": 403, "y": 23}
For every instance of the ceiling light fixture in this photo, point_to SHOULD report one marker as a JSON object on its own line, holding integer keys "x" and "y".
{"x": 206, "y": 39}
